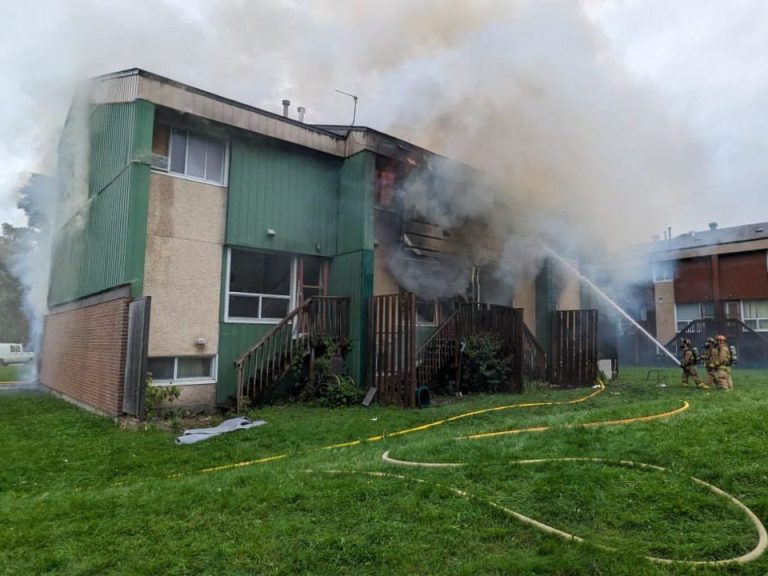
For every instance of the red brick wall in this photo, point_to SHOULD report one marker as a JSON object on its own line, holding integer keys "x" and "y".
{"x": 743, "y": 276}
{"x": 83, "y": 354}
{"x": 693, "y": 280}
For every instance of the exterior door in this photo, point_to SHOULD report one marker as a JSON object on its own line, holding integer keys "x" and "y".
{"x": 732, "y": 309}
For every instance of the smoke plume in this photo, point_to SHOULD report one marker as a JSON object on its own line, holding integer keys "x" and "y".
{"x": 527, "y": 91}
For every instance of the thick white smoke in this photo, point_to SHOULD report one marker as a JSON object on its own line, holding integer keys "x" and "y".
{"x": 527, "y": 91}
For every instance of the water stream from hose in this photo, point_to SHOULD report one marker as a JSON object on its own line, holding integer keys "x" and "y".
{"x": 596, "y": 289}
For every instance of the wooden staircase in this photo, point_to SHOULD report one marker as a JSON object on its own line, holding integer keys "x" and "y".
{"x": 438, "y": 352}
{"x": 261, "y": 367}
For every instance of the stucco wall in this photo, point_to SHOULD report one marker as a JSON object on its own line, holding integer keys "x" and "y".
{"x": 525, "y": 298}
{"x": 182, "y": 273}
{"x": 383, "y": 280}
{"x": 664, "y": 297}
{"x": 569, "y": 288}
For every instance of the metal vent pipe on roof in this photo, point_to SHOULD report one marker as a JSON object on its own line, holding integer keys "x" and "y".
{"x": 286, "y": 105}
{"x": 713, "y": 225}
{"x": 301, "y": 111}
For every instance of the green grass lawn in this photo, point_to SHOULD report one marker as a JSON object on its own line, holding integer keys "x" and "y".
{"x": 9, "y": 373}
{"x": 79, "y": 495}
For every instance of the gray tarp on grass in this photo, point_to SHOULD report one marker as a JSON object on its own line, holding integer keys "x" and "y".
{"x": 199, "y": 434}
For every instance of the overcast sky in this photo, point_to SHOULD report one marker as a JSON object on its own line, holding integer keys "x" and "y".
{"x": 695, "y": 74}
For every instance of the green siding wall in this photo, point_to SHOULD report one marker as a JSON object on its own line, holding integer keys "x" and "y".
{"x": 234, "y": 339}
{"x": 356, "y": 203}
{"x": 103, "y": 246}
{"x": 352, "y": 275}
{"x": 288, "y": 189}
{"x": 546, "y": 302}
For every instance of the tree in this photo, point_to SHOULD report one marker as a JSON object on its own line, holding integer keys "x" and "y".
{"x": 17, "y": 243}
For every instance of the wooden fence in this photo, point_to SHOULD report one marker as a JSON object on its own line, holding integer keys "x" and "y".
{"x": 391, "y": 354}
{"x": 573, "y": 358}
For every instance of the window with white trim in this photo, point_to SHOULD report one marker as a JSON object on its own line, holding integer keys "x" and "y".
{"x": 687, "y": 313}
{"x": 190, "y": 154}
{"x": 663, "y": 271}
{"x": 426, "y": 312}
{"x": 259, "y": 286}
{"x": 263, "y": 287}
{"x": 182, "y": 369}
{"x": 754, "y": 313}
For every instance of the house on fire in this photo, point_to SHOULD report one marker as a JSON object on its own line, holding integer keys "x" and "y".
{"x": 209, "y": 242}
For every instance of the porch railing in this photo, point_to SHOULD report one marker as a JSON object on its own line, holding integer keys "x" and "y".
{"x": 437, "y": 351}
{"x": 752, "y": 345}
{"x": 266, "y": 362}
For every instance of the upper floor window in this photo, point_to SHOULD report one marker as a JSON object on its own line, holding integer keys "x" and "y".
{"x": 189, "y": 154}
{"x": 663, "y": 271}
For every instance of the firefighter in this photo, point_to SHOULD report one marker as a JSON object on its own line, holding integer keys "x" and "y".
{"x": 723, "y": 364}
{"x": 690, "y": 358}
{"x": 710, "y": 357}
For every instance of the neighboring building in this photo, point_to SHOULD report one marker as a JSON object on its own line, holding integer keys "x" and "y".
{"x": 229, "y": 217}
{"x": 715, "y": 279}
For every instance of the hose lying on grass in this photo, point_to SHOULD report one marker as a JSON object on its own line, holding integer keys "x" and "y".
{"x": 750, "y": 556}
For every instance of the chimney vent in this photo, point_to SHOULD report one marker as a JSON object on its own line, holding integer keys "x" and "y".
{"x": 301, "y": 111}
{"x": 713, "y": 225}
{"x": 286, "y": 105}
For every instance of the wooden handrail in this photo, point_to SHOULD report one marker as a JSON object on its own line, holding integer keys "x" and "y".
{"x": 433, "y": 355}
{"x": 263, "y": 364}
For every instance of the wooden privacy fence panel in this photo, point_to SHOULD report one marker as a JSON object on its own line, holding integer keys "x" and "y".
{"x": 573, "y": 360}
{"x": 504, "y": 323}
{"x": 392, "y": 348}
{"x": 534, "y": 357}
{"x": 136, "y": 357}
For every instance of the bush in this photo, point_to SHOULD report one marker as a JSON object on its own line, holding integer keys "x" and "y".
{"x": 484, "y": 368}
{"x": 329, "y": 389}
{"x": 156, "y": 395}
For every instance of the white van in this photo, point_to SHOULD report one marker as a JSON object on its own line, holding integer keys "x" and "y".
{"x": 14, "y": 354}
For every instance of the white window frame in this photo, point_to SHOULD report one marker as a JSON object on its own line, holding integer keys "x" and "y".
{"x": 436, "y": 321}
{"x": 700, "y": 316}
{"x": 292, "y": 296}
{"x": 664, "y": 271}
{"x": 187, "y": 381}
{"x": 225, "y": 160}
{"x": 761, "y": 324}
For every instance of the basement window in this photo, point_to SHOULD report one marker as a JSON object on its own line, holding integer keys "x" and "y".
{"x": 755, "y": 314}
{"x": 189, "y": 154}
{"x": 182, "y": 369}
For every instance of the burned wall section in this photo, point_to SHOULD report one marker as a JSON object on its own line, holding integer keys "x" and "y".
{"x": 83, "y": 352}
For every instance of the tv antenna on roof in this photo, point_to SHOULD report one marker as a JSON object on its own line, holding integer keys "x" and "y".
{"x": 354, "y": 110}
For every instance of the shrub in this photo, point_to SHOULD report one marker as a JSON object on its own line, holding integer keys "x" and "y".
{"x": 484, "y": 368}
{"x": 154, "y": 396}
